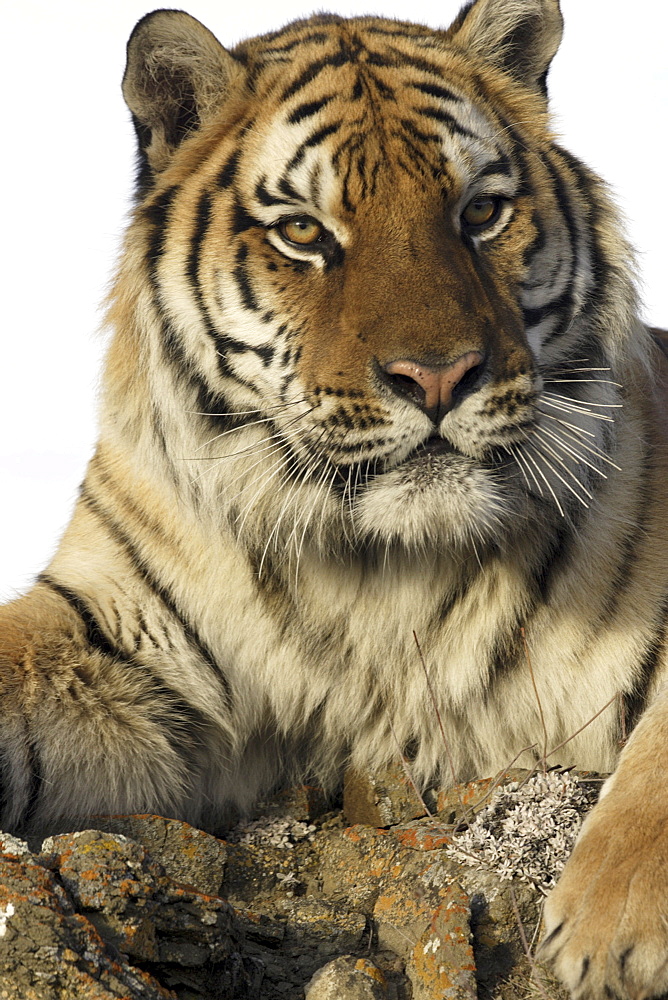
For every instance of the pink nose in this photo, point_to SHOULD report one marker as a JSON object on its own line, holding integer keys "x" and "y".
{"x": 431, "y": 388}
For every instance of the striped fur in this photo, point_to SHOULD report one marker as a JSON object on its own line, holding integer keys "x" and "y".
{"x": 273, "y": 515}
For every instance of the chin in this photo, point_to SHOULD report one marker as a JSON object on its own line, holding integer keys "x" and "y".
{"x": 441, "y": 502}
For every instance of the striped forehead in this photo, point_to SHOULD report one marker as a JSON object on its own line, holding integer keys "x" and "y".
{"x": 359, "y": 109}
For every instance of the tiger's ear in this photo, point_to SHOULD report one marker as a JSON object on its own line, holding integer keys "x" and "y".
{"x": 519, "y": 37}
{"x": 177, "y": 74}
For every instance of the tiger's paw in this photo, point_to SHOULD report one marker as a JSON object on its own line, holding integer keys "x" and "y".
{"x": 606, "y": 922}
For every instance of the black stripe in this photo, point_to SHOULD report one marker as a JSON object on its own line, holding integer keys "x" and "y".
{"x": 265, "y": 198}
{"x": 313, "y": 140}
{"x": 286, "y": 187}
{"x": 144, "y": 174}
{"x": 307, "y": 109}
{"x": 600, "y": 266}
{"x": 35, "y": 781}
{"x": 433, "y": 90}
{"x": 202, "y": 220}
{"x": 160, "y": 695}
{"x": 224, "y": 342}
{"x": 241, "y": 276}
{"x": 383, "y": 88}
{"x": 242, "y": 220}
{"x": 96, "y": 637}
{"x": 439, "y": 115}
{"x": 229, "y": 170}
{"x": 596, "y": 289}
{"x": 536, "y": 245}
{"x": 5, "y": 787}
{"x": 316, "y": 36}
{"x": 566, "y": 298}
{"x": 415, "y": 132}
{"x": 419, "y": 158}
{"x": 396, "y": 59}
{"x": 502, "y": 165}
{"x": 619, "y": 582}
{"x": 339, "y": 58}
{"x": 142, "y": 569}
{"x": 555, "y": 556}
{"x": 635, "y": 701}
{"x": 183, "y": 724}
{"x": 157, "y": 214}
{"x": 559, "y": 306}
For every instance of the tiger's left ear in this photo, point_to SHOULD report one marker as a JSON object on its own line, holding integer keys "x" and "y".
{"x": 519, "y": 37}
{"x": 177, "y": 74}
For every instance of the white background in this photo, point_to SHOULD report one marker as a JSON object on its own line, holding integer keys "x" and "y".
{"x": 67, "y": 169}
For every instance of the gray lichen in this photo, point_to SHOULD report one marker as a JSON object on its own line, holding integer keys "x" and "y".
{"x": 528, "y": 829}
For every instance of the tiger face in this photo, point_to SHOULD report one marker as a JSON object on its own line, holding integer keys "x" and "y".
{"x": 361, "y": 253}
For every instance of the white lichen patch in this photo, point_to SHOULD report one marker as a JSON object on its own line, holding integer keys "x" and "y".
{"x": 433, "y": 944}
{"x": 271, "y": 832}
{"x": 12, "y": 845}
{"x": 527, "y": 830}
{"x": 5, "y": 913}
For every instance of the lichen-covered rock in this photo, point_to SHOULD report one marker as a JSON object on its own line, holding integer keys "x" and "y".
{"x": 353, "y": 865}
{"x": 146, "y": 907}
{"x": 442, "y": 965}
{"x": 330, "y": 928}
{"x": 381, "y": 798}
{"x": 50, "y": 952}
{"x": 465, "y": 800}
{"x": 348, "y": 978}
{"x": 299, "y": 802}
{"x": 134, "y": 905}
{"x": 188, "y": 855}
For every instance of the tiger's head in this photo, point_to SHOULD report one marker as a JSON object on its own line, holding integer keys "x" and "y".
{"x": 368, "y": 266}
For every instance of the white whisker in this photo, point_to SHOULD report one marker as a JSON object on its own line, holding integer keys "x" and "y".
{"x": 577, "y": 381}
{"x": 561, "y": 479}
{"x": 516, "y": 452}
{"x": 559, "y": 442}
{"x": 574, "y": 427}
{"x": 560, "y": 461}
{"x": 542, "y": 475}
{"x": 582, "y": 402}
{"x": 593, "y": 450}
{"x": 241, "y": 427}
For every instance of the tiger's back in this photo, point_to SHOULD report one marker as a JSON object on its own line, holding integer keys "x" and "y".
{"x": 378, "y": 399}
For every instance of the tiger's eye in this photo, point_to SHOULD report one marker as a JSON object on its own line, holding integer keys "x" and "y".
{"x": 301, "y": 229}
{"x": 481, "y": 212}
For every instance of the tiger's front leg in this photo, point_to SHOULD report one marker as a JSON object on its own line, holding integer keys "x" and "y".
{"x": 606, "y": 923}
{"x": 83, "y": 731}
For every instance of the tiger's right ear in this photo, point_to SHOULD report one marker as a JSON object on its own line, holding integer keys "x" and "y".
{"x": 177, "y": 74}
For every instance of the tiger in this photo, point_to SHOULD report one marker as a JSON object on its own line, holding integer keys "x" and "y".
{"x": 382, "y": 440}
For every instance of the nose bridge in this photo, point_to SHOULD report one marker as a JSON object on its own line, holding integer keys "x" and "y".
{"x": 416, "y": 297}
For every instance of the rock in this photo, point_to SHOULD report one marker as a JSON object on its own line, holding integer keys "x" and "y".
{"x": 348, "y": 978}
{"x": 135, "y": 906}
{"x": 441, "y": 964}
{"x": 467, "y": 799}
{"x": 408, "y": 902}
{"x": 330, "y": 928}
{"x": 48, "y": 951}
{"x": 188, "y": 855}
{"x": 300, "y": 802}
{"x": 382, "y": 798}
{"x": 146, "y": 908}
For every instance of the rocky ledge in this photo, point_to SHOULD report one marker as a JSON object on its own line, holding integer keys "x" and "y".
{"x": 299, "y": 903}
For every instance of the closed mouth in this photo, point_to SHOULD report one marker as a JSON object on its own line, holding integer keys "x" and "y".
{"x": 434, "y": 445}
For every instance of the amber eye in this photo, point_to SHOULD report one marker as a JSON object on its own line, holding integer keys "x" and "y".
{"x": 481, "y": 212}
{"x": 301, "y": 229}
